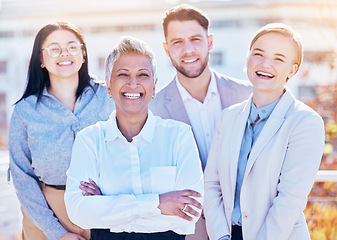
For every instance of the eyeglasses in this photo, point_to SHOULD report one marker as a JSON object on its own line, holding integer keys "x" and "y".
{"x": 54, "y": 50}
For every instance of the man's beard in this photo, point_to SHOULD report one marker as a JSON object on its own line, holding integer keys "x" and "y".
{"x": 194, "y": 74}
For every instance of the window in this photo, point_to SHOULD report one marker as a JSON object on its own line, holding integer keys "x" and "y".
{"x": 216, "y": 59}
{"x": 3, "y": 67}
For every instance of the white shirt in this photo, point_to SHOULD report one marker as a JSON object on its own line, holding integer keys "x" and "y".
{"x": 202, "y": 116}
{"x": 163, "y": 157}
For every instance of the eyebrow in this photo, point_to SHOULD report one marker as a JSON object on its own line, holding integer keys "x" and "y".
{"x": 122, "y": 69}
{"x": 278, "y": 54}
{"x": 144, "y": 69}
{"x": 180, "y": 38}
{"x": 60, "y": 44}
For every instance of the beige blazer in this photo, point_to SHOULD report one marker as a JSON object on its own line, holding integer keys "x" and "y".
{"x": 280, "y": 172}
{"x": 169, "y": 105}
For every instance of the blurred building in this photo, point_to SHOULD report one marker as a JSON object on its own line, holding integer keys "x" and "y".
{"x": 103, "y": 21}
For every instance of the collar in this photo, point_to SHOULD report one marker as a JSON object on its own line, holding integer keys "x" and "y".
{"x": 263, "y": 112}
{"x": 212, "y": 89}
{"x": 147, "y": 132}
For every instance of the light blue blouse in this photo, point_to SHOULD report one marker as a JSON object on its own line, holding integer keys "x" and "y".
{"x": 41, "y": 137}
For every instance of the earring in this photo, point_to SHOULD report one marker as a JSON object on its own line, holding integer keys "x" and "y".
{"x": 154, "y": 96}
{"x": 110, "y": 96}
{"x": 42, "y": 65}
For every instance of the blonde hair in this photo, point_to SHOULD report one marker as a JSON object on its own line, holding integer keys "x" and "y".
{"x": 285, "y": 30}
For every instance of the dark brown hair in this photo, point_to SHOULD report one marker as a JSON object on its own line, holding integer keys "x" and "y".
{"x": 38, "y": 78}
{"x": 185, "y": 13}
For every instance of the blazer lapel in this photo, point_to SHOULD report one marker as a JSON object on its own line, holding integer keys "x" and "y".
{"x": 272, "y": 125}
{"x": 238, "y": 129}
{"x": 174, "y": 104}
{"x": 224, "y": 94}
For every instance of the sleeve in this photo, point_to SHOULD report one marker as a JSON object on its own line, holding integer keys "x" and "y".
{"x": 26, "y": 182}
{"x": 216, "y": 221}
{"x": 227, "y": 237}
{"x": 101, "y": 211}
{"x": 189, "y": 176}
{"x": 301, "y": 163}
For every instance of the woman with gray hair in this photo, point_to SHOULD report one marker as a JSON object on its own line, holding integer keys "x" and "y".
{"x": 144, "y": 172}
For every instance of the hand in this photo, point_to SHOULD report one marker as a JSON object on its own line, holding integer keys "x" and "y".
{"x": 71, "y": 236}
{"x": 90, "y": 188}
{"x": 173, "y": 203}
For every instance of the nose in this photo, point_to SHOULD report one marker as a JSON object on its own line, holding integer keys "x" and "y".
{"x": 133, "y": 81}
{"x": 64, "y": 52}
{"x": 266, "y": 62}
{"x": 189, "y": 47}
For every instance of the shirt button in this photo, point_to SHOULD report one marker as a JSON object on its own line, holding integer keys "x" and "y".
{"x": 75, "y": 126}
{"x": 245, "y": 215}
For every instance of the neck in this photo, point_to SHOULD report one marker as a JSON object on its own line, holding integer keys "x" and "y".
{"x": 264, "y": 98}
{"x": 130, "y": 125}
{"x": 64, "y": 90}
{"x": 198, "y": 86}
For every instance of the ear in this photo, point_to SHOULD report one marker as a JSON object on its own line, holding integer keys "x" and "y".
{"x": 154, "y": 86}
{"x": 166, "y": 49}
{"x": 210, "y": 42}
{"x": 107, "y": 85}
{"x": 293, "y": 70}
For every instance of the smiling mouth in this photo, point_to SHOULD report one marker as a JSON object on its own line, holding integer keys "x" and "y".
{"x": 190, "y": 60}
{"x": 132, "y": 95}
{"x": 64, "y": 63}
{"x": 264, "y": 74}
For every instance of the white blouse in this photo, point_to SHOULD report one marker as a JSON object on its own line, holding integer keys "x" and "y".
{"x": 163, "y": 157}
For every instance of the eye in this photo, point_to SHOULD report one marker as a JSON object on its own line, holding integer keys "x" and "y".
{"x": 257, "y": 54}
{"x": 122, "y": 75}
{"x": 144, "y": 75}
{"x": 279, "y": 59}
{"x": 177, "y": 42}
{"x": 195, "y": 39}
{"x": 54, "y": 48}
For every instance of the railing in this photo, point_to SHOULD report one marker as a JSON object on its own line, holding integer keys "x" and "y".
{"x": 326, "y": 176}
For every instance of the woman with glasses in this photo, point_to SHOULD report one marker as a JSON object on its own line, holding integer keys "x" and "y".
{"x": 60, "y": 99}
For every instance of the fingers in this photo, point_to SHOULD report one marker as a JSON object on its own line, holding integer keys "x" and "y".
{"x": 190, "y": 210}
{"x": 89, "y": 188}
{"x": 192, "y": 201}
{"x": 184, "y": 216}
{"x": 189, "y": 193}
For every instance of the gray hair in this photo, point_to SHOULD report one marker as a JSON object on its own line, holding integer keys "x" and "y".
{"x": 129, "y": 45}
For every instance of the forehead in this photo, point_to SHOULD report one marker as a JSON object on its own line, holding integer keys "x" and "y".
{"x": 61, "y": 37}
{"x": 181, "y": 29}
{"x": 132, "y": 61}
{"x": 276, "y": 43}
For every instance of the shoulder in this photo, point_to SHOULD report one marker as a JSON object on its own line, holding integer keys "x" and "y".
{"x": 94, "y": 132}
{"x": 232, "y": 82}
{"x": 170, "y": 125}
{"x": 302, "y": 111}
{"x": 168, "y": 89}
{"x": 25, "y": 107}
{"x": 162, "y": 97}
{"x": 234, "y": 90}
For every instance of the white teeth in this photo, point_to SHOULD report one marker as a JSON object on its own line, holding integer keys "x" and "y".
{"x": 265, "y": 74}
{"x": 190, "y": 60}
{"x": 132, "y": 95}
{"x": 65, "y": 63}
